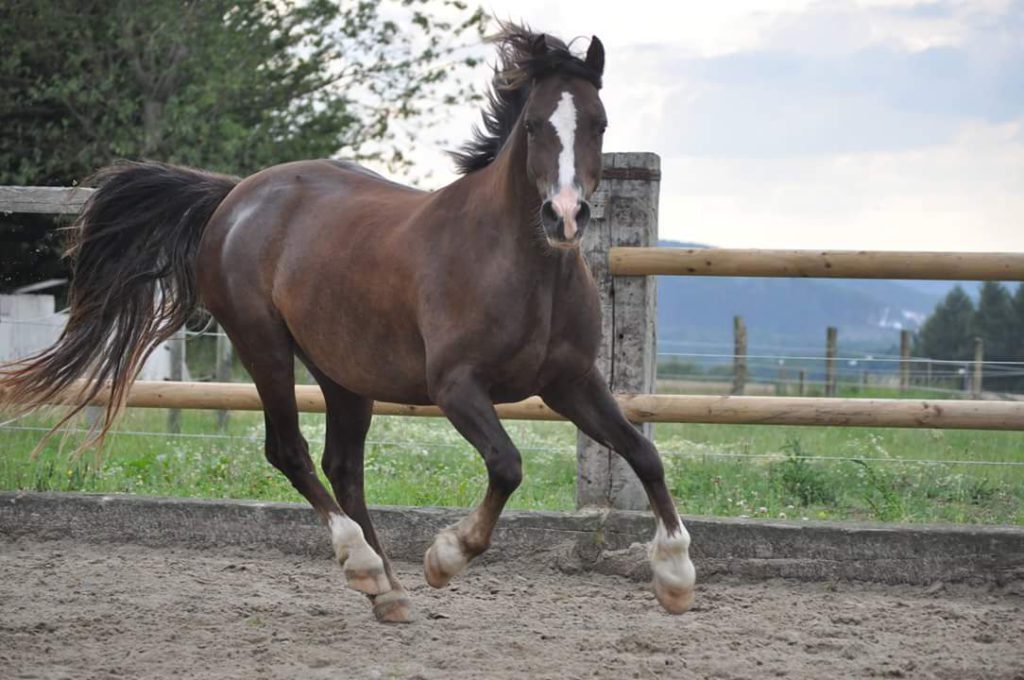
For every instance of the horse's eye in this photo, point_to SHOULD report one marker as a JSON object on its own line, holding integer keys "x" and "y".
{"x": 601, "y": 127}
{"x": 530, "y": 127}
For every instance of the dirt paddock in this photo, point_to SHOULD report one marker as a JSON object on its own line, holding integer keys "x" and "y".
{"x": 74, "y": 610}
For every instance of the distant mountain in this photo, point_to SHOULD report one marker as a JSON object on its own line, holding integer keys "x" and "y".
{"x": 789, "y": 312}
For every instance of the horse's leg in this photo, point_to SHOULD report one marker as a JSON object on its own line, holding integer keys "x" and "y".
{"x": 348, "y": 420}
{"x": 469, "y": 408}
{"x": 588, "y": 403}
{"x": 267, "y": 352}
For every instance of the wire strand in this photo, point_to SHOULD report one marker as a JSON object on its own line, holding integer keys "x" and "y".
{"x": 567, "y": 451}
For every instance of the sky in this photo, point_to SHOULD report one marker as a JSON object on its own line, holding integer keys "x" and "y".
{"x": 875, "y": 124}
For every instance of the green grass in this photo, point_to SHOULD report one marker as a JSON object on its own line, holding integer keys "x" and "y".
{"x": 712, "y": 469}
{"x": 846, "y": 473}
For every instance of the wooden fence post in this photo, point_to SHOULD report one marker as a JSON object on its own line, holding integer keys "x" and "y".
{"x": 803, "y": 382}
{"x": 176, "y": 345}
{"x": 904, "y": 361}
{"x": 739, "y": 359}
{"x": 976, "y": 373}
{"x": 223, "y": 371}
{"x": 831, "y": 340}
{"x": 624, "y": 213}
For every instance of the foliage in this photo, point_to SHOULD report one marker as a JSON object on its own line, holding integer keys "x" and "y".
{"x": 228, "y": 85}
{"x": 998, "y": 319}
{"x": 994, "y": 321}
{"x": 882, "y": 492}
{"x": 800, "y": 478}
{"x": 946, "y": 334}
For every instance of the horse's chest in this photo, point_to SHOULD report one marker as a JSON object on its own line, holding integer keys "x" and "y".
{"x": 558, "y": 340}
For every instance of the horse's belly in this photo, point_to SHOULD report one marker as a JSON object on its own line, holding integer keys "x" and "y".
{"x": 385, "y": 366}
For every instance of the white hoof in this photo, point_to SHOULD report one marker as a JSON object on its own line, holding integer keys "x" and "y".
{"x": 392, "y": 607}
{"x": 674, "y": 574}
{"x": 444, "y": 559}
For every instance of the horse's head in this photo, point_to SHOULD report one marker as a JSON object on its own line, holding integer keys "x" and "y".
{"x": 545, "y": 98}
{"x": 564, "y": 122}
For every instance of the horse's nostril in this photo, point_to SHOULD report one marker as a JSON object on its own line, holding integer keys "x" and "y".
{"x": 583, "y": 215}
{"x": 549, "y": 218}
{"x": 548, "y": 214}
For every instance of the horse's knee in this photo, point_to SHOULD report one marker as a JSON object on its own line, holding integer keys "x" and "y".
{"x": 505, "y": 473}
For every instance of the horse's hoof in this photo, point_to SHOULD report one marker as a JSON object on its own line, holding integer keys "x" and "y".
{"x": 444, "y": 559}
{"x": 674, "y": 600}
{"x": 674, "y": 575}
{"x": 392, "y": 607}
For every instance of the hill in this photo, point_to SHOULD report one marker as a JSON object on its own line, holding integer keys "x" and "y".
{"x": 789, "y": 312}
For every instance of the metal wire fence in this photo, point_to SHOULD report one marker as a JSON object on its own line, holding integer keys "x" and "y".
{"x": 256, "y": 439}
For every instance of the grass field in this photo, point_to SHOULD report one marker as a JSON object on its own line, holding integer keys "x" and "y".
{"x": 754, "y": 471}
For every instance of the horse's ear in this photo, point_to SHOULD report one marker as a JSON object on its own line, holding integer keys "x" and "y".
{"x": 595, "y": 56}
{"x": 539, "y": 46}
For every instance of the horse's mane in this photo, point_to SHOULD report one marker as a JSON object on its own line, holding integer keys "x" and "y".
{"x": 514, "y": 75}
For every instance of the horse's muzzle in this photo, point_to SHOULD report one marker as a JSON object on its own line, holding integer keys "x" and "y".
{"x": 564, "y": 223}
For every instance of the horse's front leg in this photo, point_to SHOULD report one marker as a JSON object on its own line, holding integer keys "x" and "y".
{"x": 588, "y": 403}
{"x": 467, "y": 405}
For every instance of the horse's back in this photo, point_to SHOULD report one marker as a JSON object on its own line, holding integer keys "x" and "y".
{"x": 302, "y": 200}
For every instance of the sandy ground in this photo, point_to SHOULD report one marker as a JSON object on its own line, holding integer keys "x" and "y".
{"x": 69, "y": 610}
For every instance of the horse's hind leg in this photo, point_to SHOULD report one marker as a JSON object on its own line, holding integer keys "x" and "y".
{"x": 266, "y": 349}
{"x": 348, "y": 420}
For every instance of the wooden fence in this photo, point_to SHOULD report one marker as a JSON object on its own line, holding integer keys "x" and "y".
{"x": 620, "y": 248}
{"x": 835, "y": 264}
{"x": 639, "y": 408}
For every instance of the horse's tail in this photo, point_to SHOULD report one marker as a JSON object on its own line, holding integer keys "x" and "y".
{"x": 133, "y": 256}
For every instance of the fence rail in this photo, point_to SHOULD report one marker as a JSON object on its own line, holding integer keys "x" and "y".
{"x": 43, "y": 200}
{"x": 841, "y": 264}
{"x": 640, "y": 408}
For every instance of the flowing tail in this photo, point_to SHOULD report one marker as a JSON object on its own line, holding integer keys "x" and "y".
{"x": 133, "y": 253}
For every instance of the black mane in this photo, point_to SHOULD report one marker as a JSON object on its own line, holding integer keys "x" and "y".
{"x": 514, "y": 75}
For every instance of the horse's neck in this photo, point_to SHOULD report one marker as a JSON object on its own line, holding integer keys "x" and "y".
{"x": 508, "y": 192}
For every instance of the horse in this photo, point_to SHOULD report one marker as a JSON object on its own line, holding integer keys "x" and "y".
{"x": 467, "y": 296}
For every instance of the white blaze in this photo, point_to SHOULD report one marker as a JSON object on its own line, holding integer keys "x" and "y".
{"x": 564, "y": 122}
{"x": 566, "y": 199}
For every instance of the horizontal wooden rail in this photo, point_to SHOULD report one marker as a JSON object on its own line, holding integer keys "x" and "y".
{"x": 843, "y": 264}
{"x": 43, "y": 200}
{"x": 655, "y": 408}
{"x": 852, "y": 264}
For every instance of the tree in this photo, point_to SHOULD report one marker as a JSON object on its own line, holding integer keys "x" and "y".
{"x": 994, "y": 321}
{"x": 947, "y": 333}
{"x": 226, "y": 84}
{"x": 229, "y": 85}
{"x": 1017, "y": 335}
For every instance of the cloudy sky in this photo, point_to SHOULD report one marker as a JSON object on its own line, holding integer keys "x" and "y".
{"x": 878, "y": 124}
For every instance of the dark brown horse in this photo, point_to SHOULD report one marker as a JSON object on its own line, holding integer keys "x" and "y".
{"x": 463, "y": 297}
